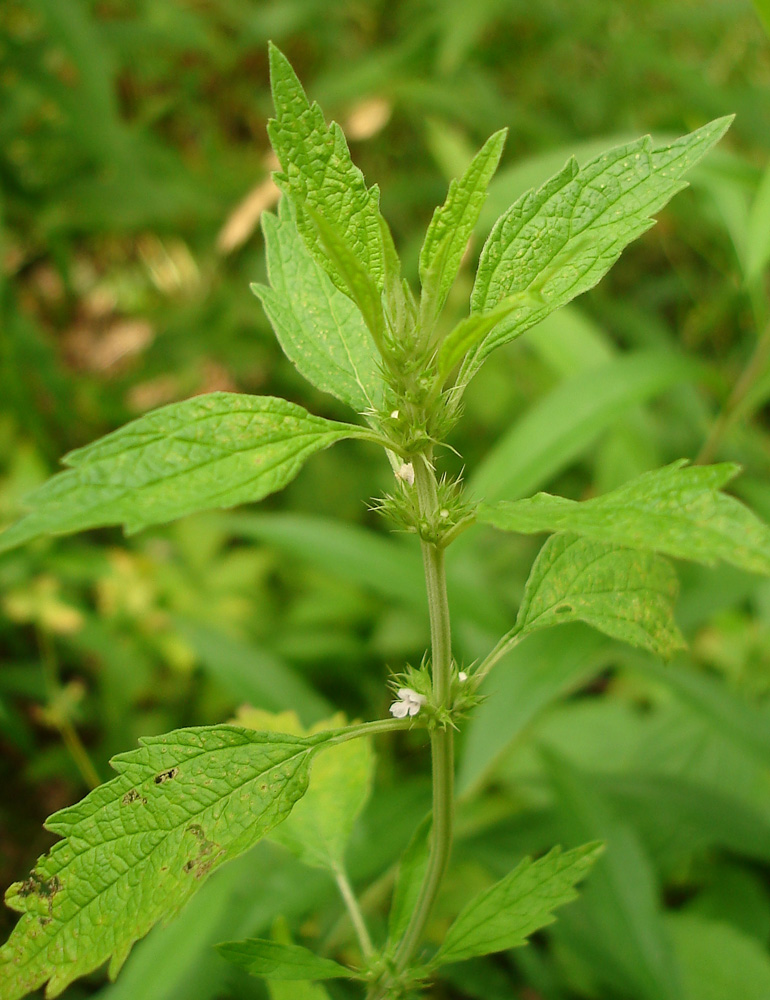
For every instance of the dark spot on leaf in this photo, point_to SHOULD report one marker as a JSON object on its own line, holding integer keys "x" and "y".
{"x": 44, "y": 921}
{"x": 166, "y": 775}
{"x": 563, "y": 609}
{"x": 133, "y": 796}
{"x": 43, "y": 888}
{"x": 208, "y": 853}
{"x": 36, "y": 885}
{"x": 204, "y": 867}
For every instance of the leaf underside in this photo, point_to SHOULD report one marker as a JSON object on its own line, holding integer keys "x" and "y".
{"x": 626, "y": 594}
{"x": 207, "y": 452}
{"x": 320, "y": 825}
{"x": 320, "y": 330}
{"x": 559, "y": 241}
{"x": 136, "y": 848}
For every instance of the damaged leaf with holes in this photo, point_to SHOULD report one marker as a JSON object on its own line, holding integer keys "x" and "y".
{"x": 140, "y": 845}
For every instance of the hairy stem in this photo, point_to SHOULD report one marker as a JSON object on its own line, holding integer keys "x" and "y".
{"x": 442, "y": 741}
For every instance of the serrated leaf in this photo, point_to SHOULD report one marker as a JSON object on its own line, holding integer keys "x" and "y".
{"x": 318, "y": 173}
{"x": 319, "y": 828}
{"x": 471, "y": 330}
{"x": 273, "y": 960}
{"x": 453, "y": 223}
{"x": 560, "y": 240}
{"x": 211, "y": 451}
{"x": 319, "y": 329}
{"x": 504, "y": 915}
{"x": 411, "y": 870}
{"x": 626, "y": 594}
{"x": 353, "y": 277}
{"x": 137, "y": 847}
{"x": 677, "y": 510}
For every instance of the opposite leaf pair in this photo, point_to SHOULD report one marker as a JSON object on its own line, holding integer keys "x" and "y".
{"x": 185, "y": 803}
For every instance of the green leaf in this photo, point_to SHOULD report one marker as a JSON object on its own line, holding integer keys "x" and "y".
{"x": 504, "y": 915}
{"x": 560, "y": 240}
{"x": 626, "y": 594}
{"x": 719, "y": 962}
{"x": 353, "y": 278}
{"x": 388, "y": 567}
{"x": 616, "y": 925}
{"x": 163, "y": 965}
{"x": 763, "y": 10}
{"x": 319, "y": 828}
{"x": 567, "y": 421}
{"x": 252, "y": 674}
{"x": 210, "y": 451}
{"x": 296, "y": 991}
{"x": 453, "y": 223}
{"x": 138, "y": 847}
{"x": 368, "y": 559}
{"x": 677, "y": 510}
{"x": 320, "y": 330}
{"x": 758, "y": 235}
{"x": 411, "y": 870}
{"x": 714, "y": 700}
{"x": 273, "y": 960}
{"x": 536, "y": 673}
{"x": 319, "y": 174}
{"x": 471, "y": 330}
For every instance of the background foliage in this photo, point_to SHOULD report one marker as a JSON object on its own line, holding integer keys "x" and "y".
{"x": 133, "y": 170}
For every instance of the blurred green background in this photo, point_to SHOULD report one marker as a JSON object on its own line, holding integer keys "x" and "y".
{"x": 134, "y": 166}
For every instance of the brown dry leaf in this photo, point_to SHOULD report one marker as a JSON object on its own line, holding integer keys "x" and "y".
{"x": 216, "y": 378}
{"x": 155, "y": 392}
{"x": 98, "y": 350}
{"x": 368, "y": 117}
{"x": 122, "y": 338}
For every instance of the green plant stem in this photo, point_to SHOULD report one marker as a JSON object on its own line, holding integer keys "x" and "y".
{"x": 442, "y": 740}
{"x": 504, "y": 646}
{"x": 66, "y": 730}
{"x": 354, "y": 911}
{"x": 754, "y": 369}
{"x": 368, "y": 729}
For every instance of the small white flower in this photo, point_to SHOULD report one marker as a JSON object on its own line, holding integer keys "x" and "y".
{"x": 409, "y": 703}
{"x": 462, "y": 677}
{"x": 405, "y": 472}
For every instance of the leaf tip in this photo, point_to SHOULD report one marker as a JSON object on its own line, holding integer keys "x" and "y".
{"x": 285, "y": 85}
